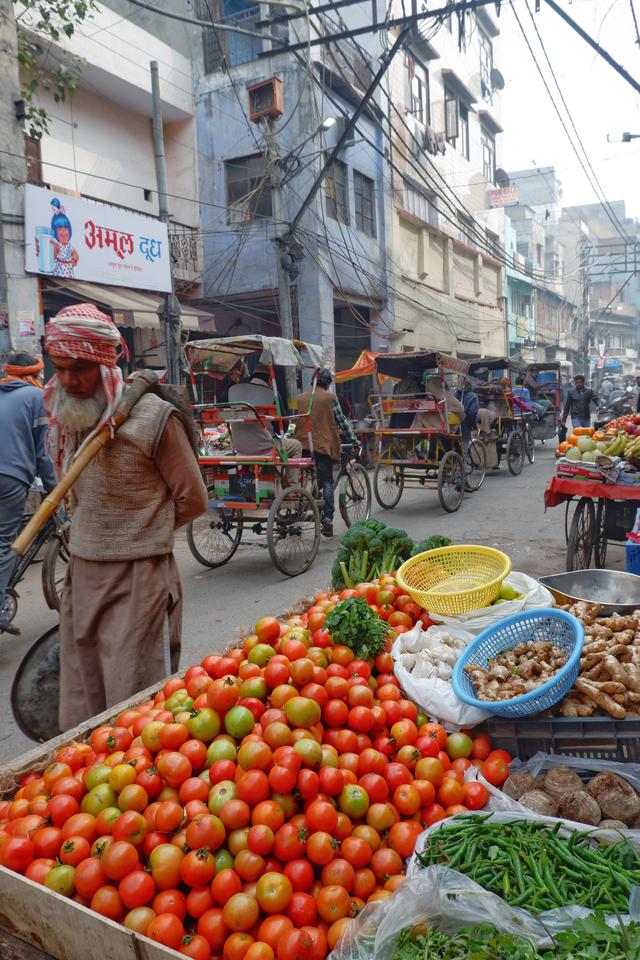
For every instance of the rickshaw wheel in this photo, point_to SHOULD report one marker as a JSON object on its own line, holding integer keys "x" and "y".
{"x": 600, "y": 537}
{"x": 529, "y": 443}
{"x": 388, "y": 484}
{"x": 354, "y": 495}
{"x": 10, "y": 605}
{"x": 475, "y": 465}
{"x": 581, "y": 536}
{"x": 215, "y": 536}
{"x": 451, "y": 481}
{"x": 515, "y": 452}
{"x": 293, "y": 531}
{"x": 54, "y": 571}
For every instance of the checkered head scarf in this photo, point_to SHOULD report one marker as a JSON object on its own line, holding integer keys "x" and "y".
{"x": 82, "y": 332}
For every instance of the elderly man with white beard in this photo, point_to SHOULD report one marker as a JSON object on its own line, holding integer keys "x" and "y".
{"x": 121, "y": 612}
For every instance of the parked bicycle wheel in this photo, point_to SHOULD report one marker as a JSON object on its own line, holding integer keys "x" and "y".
{"x": 529, "y": 442}
{"x": 475, "y": 465}
{"x": 354, "y": 494}
{"x": 54, "y": 571}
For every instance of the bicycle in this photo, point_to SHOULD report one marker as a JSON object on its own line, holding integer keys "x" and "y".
{"x": 54, "y": 563}
{"x": 353, "y": 486}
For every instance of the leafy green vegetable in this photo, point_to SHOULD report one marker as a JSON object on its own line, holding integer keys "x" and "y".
{"x": 588, "y": 939}
{"x": 431, "y": 543}
{"x": 353, "y": 623}
{"x": 368, "y": 549}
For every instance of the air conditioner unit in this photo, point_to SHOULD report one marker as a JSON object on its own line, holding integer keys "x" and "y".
{"x": 265, "y": 100}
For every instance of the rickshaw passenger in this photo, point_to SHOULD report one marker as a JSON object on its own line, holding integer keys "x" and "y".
{"x": 538, "y": 401}
{"x": 252, "y": 439}
{"x": 407, "y": 387}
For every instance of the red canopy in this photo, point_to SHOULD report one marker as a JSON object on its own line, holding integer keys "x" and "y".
{"x": 365, "y": 366}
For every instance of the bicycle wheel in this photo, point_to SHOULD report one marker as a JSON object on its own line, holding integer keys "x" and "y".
{"x": 581, "y": 536}
{"x": 54, "y": 571}
{"x": 475, "y": 465}
{"x": 515, "y": 453}
{"x": 529, "y": 443}
{"x": 387, "y": 485}
{"x": 354, "y": 494}
{"x": 215, "y": 536}
{"x": 451, "y": 480}
{"x": 10, "y": 605}
{"x": 293, "y": 531}
{"x": 601, "y": 542}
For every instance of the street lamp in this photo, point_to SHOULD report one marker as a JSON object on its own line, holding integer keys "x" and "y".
{"x": 625, "y": 138}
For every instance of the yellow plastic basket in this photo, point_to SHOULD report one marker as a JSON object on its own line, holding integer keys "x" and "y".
{"x": 454, "y": 580}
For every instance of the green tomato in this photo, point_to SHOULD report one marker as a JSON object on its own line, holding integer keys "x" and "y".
{"x": 222, "y": 748}
{"x": 421, "y": 719}
{"x": 310, "y": 751}
{"x": 60, "y": 879}
{"x": 354, "y": 801}
{"x": 205, "y": 725}
{"x": 223, "y": 859}
{"x": 205, "y": 776}
{"x": 99, "y": 799}
{"x": 179, "y": 700}
{"x": 219, "y": 794}
{"x": 254, "y": 687}
{"x": 98, "y": 774}
{"x": 459, "y": 745}
{"x": 239, "y": 722}
{"x": 261, "y": 654}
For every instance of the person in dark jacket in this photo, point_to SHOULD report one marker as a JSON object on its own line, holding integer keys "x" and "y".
{"x": 23, "y": 429}
{"x": 578, "y": 404}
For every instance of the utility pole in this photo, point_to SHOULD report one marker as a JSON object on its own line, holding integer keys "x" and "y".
{"x": 284, "y": 269}
{"x": 169, "y": 312}
{"x": 584, "y": 254}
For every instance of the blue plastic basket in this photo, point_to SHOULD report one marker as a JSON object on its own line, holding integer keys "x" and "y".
{"x": 555, "y": 626}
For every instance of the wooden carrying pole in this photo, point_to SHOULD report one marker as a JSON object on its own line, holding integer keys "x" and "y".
{"x": 141, "y": 384}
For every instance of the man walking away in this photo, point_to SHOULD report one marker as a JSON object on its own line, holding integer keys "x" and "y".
{"x": 578, "y": 404}
{"x": 327, "y": 424}
{"x": 23, "y": 429}
{"x": 121, "y": 612}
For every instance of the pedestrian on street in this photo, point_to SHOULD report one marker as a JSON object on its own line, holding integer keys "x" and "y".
{"x": 23, "y": 430}
{"x": 121, "y": 611}
{"x": 328, "y": 423}
{"x": 578, "y": 404}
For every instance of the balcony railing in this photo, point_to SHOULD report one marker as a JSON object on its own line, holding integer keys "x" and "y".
{"x": 185, "y": 253}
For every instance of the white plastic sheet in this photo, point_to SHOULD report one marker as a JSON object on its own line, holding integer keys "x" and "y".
{"x": 474, "y": 622}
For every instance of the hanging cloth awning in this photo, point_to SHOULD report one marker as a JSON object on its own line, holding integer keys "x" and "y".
{"x": 365, "y": 366}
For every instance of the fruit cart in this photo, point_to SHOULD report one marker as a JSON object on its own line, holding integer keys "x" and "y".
{"x": 603, "y": 513}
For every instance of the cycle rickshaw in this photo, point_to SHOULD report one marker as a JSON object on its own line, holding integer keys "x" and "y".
{"x": 267, "y": 495}
{"x": 550, "y": 384}
{"x": 492, "y": 381}
{"x": 433, "y": 456}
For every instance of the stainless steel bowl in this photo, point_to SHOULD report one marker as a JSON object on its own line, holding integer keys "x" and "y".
{"x": 614, "y": 590}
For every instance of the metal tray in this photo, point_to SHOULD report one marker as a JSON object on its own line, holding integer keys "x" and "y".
{"x": 614, "y": 590}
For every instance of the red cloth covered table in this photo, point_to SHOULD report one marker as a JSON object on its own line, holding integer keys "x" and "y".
{"x": 560, "y": 489}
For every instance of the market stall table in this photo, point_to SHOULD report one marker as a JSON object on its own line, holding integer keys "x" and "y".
{"x": 605, "y": 513}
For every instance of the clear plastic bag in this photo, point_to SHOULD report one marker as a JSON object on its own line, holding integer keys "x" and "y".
{"x": 434, "y": 696}
{"x": 448, "y": 901}
{"x": 475, "y": 621}
{"x": 500, "y": 802}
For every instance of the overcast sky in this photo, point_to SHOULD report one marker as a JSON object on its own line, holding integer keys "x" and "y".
{"x": 601, "y": 102}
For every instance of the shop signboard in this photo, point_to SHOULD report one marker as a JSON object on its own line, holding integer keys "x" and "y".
{"x": 74, "y": 239}
{"x": 503, "y": 197}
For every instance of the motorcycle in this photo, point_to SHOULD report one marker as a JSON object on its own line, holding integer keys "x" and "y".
{"x": 618, "y": 404}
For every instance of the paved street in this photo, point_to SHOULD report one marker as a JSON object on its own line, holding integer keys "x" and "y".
{"x": 506, "y": 512}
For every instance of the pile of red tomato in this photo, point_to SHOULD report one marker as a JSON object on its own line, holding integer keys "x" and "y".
{"x": 256, "y": 804}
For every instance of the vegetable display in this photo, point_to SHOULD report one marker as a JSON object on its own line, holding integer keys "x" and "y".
{"x": 609, "y": 678}
{"x": 534, "y": 866}
{"x": 590, "y": 939}
{"x": 257, "y": 803}
{"x": 371, "y": 548}
{"x": 606, "y": 800}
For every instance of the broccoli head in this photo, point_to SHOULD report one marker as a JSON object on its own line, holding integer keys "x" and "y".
{"x": 431, "y": 543}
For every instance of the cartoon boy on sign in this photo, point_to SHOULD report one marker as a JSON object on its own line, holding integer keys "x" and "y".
{"x": 55, "y": 253}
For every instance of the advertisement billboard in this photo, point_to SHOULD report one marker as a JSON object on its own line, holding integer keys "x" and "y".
{"x": 503, "y": 197}
{"x": 75, "y": 239}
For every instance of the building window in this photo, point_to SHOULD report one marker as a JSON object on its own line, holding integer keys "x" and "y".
{"x": 539, "y": 254}
{"x": 456, "y": 115}
{"x": 423, "y": 204}
{"x": 465, "y": 227}
{"x": 248, "y": 189}
{"x": 521, "y": 303}
{"x": 493, "y": 243}
{"x": 486, "y": 62}
{"x": 364, "y": 203}
{"x": 417, "y": 90}
{"x": 222, "y": 48}
{"x": 488, "y": 155}
{"x": 336, "y": 186}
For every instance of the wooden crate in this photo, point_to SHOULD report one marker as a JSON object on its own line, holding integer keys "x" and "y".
{"x": 49, "y": 922}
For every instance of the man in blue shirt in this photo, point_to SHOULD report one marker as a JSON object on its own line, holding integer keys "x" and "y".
{"x": 23, "y": 429}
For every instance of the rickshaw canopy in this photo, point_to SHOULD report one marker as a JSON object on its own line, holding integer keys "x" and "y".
{"x": 498, "y": 363}
{"x": 221, "y": 354}
{"x": 401, "y": 365}
{"x": 547, "y": 365}
{"x": 365, "y": 366}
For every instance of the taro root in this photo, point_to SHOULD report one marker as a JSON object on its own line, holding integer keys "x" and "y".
{"x": 617, "y": 798}
{"x": 612, "y": 825}
{"x": 558, "y": 781}
{"x": 539, "y": 802}
{"x": 518, "y": 783}
{"x": 581, "y": 807}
